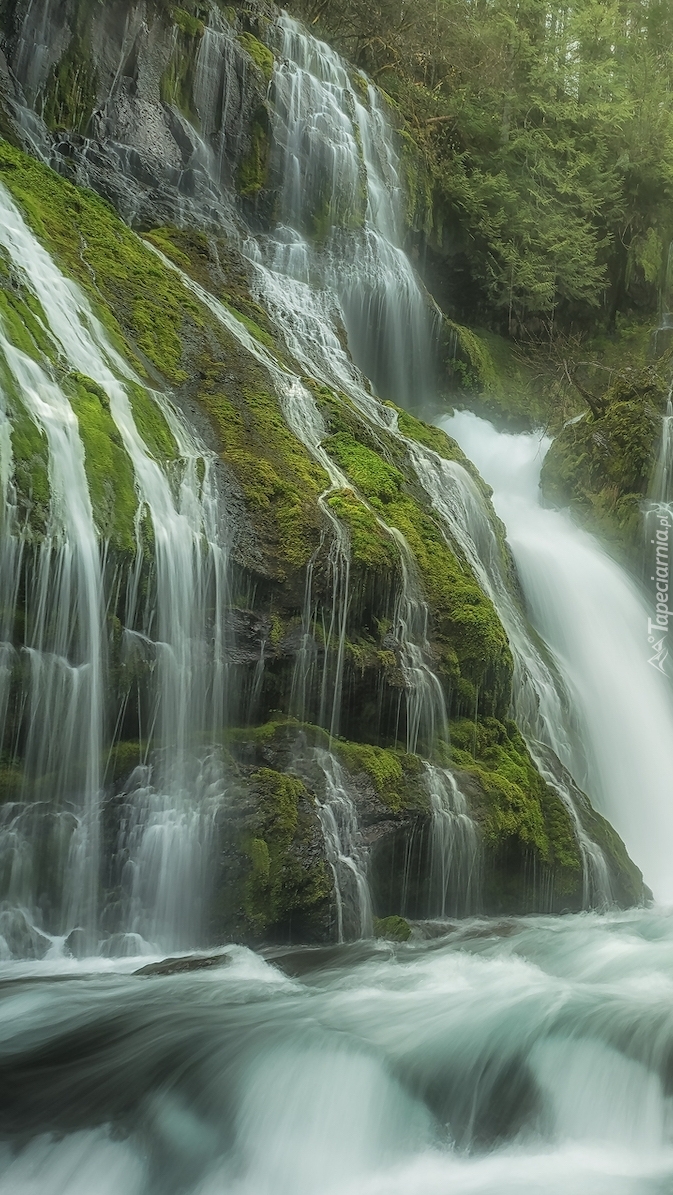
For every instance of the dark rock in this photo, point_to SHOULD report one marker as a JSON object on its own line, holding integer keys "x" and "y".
{"x": 180, "y": 966}
{"x": 76, "y": 943}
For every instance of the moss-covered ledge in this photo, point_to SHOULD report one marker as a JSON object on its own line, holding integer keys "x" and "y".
{"x": 600, "y": 466}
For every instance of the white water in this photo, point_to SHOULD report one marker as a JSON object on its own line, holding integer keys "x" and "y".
{"x": 594, "y": 620}
{"x": 63, "y": 645}
{"x": 164, "y": 854}
{"x": 345, "y": 851}
{"x": 525, "y": 1057}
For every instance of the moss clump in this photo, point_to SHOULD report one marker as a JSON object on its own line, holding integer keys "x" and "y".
{"x": 394, "y": 929}
{"x": 151, "y": 423}
{"x": 155, "y": 320}
{"x": 394, "y": 774}
{"x": 70, "y": 94}
{"x": 279, "y": 881}
{"x": 601, "y": 467}
{"x": 176, "y": 85}
{"x": 108, "y": 468}
{"x": 188, "y": 24}
{"x": 518, "y": 804}
{"x": 110, "y": 262}
{"x": 471, "y": 643}
{"x": 371, "y": 546}
{"x": 278, "y": 478}
{"x": 253, "y": 327}
{"x": 430, "y": 436}
{"x": 121, "y": 760}
{"x": 31, "y": 464}
{"x": 11, "y": 779}
{"x": 254, "y": 166}
{"x": 261, "y": 55}
{"x": 468, "y": 358}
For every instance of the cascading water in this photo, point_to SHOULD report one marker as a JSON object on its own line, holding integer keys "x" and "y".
{"x": 345, "y": 853}
{"x": 514, "y": 1056}
{"x": 595, "y": 622}
{"x": 426, "y": 709}
{"x": 63, "y": 645}
{"x": 162, "y": 856}
{"x": 455, "y": 860}
{"x": 340, "y": 182}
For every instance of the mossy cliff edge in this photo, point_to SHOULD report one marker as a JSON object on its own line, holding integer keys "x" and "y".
{"x": 275, "y": 881}
{"x": 601, "y": 466}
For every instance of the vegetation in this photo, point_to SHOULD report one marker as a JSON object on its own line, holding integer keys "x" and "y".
{"x": 279, "y": 881}
{"x": 394, "y": 929}
{"x": 167, "y": 335}
{"x": 600, "y": 465}
{"x": 538, "y": 147}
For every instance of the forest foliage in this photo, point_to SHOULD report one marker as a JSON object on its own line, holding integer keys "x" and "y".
{"x": 545, "y": 137}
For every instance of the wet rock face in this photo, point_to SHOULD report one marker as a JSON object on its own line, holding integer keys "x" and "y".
{"x": 113, "y": 97}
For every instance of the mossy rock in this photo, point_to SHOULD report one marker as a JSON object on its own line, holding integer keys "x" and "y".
{"x": 471, "y": 643}
{"x": 70, "y": 93}
{"x": 601, "y": 467}
{"x": 279, "y": 882}
{"x": 519, "y": 816}
{"x": 253, "y": 169}
{"x": 169, "y": 338}
{"x": 261, "y": 55}
{"x": 393, "y": 929}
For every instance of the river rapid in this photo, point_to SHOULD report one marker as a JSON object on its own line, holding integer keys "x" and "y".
{"x": 527, "y": 1056}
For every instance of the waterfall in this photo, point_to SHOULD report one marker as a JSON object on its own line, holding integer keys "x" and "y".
{"x": 345, "y": 852}
{"x": 619, "y": 745}
{"x": 162, "y": 855}
{"x": 455, "y": 855}
{"x": 63, "y": 645}
{"x": 340, "y": 201}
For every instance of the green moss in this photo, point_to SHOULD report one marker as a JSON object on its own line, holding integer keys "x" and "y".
{"x": 254, "y": 166}
{"x": 371, "y": 546}
{"x": 429, "y": 435}
{"x": 261, "y": 55}
{"x": 121, "y": 761}
{"x": 418, "y": 188}
{"x": 278, "y": 881}
{"x": 108, "y": 467}
{"x": 188, "y": 24}
{"x": 151, "y": 424}
{"x": 394, "y": 929}
{"x": 394, "y": 774}
{"x": 468, "y": 357}
{"x": 70, "y": 94}
{"x": 278, "y": 478}
{"x": 11, "y": 779}
{"x": 110, "y": 262}
{"x": 253, "y": 328}
{"x": 176, "y": 85}
{"x": 22, "y": 314}
{"x": 519, "y": 805}
{"x": 601, "y": 467}
{"x": 31, "y": 461}
{"x": 471, "y": 643}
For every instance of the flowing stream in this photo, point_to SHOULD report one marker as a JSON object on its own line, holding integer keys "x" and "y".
{"x": 595, "y": 621}
{"x": 527, "y": 1057}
